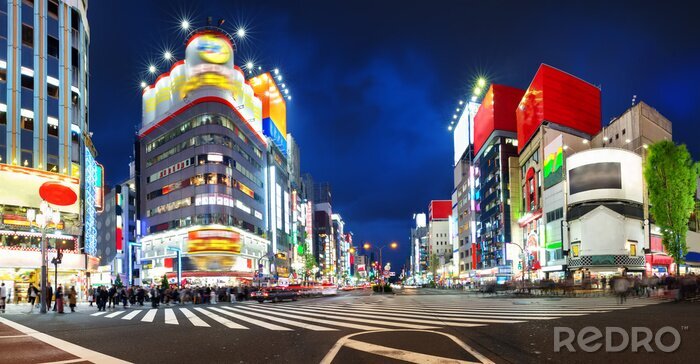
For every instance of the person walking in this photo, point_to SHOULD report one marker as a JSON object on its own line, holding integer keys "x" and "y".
{"x": 621, "y": 285}
{"x": 49, "y": 297}
{"x": 59, "y": 299}
{"x": 102, "y": 300}
{"x": 3, "y": 297}
{"x": 72, "y": 298}
{"x": 32, "y": 293}
{"x": 91, "y": 295}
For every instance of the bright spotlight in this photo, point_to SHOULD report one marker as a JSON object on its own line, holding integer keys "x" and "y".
{"x": 143, "y": 84}
{"x": 481, "y": 82}
{"x": 185, "y": 25}
{"x": 477, "y": 90}
{"x": 286, "y": 92}
{"x": 249, "y": 65}
{"x": 167, "y": 55}
{"x": 473, "y": 98}
{"x": 454, "y": 116}
{"x": 279, "y": 78}
{"x": 449, "y": 128}
{"x": 152, "y": 69}
{"x": 461, "y": 102}
{"x": 277, "y": 71}
{"x": 240, "y": 32}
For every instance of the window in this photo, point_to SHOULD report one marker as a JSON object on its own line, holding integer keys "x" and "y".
{"x": 74, "y": 19}
{"x": 623, "y": 131}
{"x": 633, "y": 248}
{"x": 28, "y": 2}
{"x": 576, "y": 249}
{"x": 617, "y": 136}
{"x": 52, "y": 46}
{"x": 75, "y": 57}
{"x": 27, "y": 35}
{"x": 27, "y": 82}
{"x": 3, "y": 75}
{"x": 52, "y": 90}
{"x": 53, "y": 9}
{"x": 3, "y": 118}
{"x": 27, "y": 123}
{"x": 53, "y": 130}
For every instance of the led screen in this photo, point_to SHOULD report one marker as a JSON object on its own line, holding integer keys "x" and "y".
{"x": 595, "y": 176}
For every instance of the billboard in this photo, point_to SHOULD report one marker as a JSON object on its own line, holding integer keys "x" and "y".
{"x": 27, "y": 187}
{"x": 217, "y": 241}
{"x": 604, "y": 174}
{"x": 440, "y": 209}
{"x": 208, "y": 63}
{"x": 559, "y": 98}
{"x": 553, "y": 162}
{"x": 493, "y": 115}
{"x": 274, "y": 109}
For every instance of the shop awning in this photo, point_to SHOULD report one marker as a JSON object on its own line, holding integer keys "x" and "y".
{"x": 659, "y": 259}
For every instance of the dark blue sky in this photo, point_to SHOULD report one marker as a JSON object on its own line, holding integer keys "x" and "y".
{"x": 375, "y": 83}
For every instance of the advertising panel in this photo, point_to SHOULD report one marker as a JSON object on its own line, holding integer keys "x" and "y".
{"x": 496, "y": 113}
{"x": 553, "y": 162}
{"x": 27, "y": 187}
{"x": 440, "y": 209}
{"x": 461, "y": 135}
{"x": 216, "y": 241}
{"x": 560, "y": 98}
{"x": 274, "y": 109}
{"x": 604, "y": 174}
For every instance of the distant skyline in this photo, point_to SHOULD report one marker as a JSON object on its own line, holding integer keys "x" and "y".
{"x": 375, "y": 84}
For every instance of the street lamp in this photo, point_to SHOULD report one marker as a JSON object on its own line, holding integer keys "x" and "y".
{"x": 392, "y": 245}
{"x": 42, "y": 219}
{"x": 523, "y": 255}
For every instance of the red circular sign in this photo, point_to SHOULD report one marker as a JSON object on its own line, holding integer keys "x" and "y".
{"x": 57, "y": 194}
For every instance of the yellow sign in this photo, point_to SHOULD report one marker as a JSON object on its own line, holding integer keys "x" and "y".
{"x": 213, "y": 49}
{"x": 213, "y": 241}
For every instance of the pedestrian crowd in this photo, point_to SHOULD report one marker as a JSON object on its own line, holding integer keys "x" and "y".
{"x": 113, "y": 297}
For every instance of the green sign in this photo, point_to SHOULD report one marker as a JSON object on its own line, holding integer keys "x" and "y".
{"x": 603, "y": 260}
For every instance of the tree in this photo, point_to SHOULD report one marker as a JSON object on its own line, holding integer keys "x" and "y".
{"x": 309, "y": 263}
{"x": 164, "y": 284}
{"x": 671, "y": 177}
{"x": 434, "y": 262}
{"x": 118, "y": 282}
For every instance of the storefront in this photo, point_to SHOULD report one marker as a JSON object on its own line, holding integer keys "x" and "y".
{"x": 659, "y": 264}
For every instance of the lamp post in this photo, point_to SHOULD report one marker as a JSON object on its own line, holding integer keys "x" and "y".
{"x": 42, "y": 219}
{"x": 392, "y": 245}
{"x": 522, "y": 254}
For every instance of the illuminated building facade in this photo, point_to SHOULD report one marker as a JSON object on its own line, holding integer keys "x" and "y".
{"x": 495, "y": 141}
{"x": 45, "y": 148}
{"x": 203, "y": 170}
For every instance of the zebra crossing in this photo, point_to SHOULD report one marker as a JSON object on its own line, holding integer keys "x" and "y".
{"x": 372, "y": 313}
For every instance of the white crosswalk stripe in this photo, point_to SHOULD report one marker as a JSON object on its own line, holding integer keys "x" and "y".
{"x": 170, "y": 318}
{"x": 194, "y": 319}
{"x": 131, "y": 314}
{"x": 150, "y": 315}
{"x": 376, "y": 313}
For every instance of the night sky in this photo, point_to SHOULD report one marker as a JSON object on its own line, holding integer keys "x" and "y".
{"x": 375, "y": 83}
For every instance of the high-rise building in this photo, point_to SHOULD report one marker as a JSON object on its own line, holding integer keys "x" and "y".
{"x": 45, "y": 148}
{"x": 419, "y": 241}
{"x": 439, "y": 244}
{"x": 210, "y": 195}
{"x": 495, "y": 141}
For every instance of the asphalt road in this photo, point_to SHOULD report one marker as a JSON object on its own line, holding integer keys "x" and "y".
{"x": 358, "y": 327}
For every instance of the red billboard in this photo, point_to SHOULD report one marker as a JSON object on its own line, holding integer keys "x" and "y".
{"x": 570, "y": 102}
{"x": 493, "y": 115}
{"x": 440, "y": 209}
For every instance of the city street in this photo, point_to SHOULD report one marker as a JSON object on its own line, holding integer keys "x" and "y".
{"x": 359, "y": 326}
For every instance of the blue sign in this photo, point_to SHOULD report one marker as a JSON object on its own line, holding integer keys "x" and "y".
{"x": 270, "y": 129}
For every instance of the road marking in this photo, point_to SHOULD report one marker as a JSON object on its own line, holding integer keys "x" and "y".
{"x": 325, "y": 322}
{"x": 224, "y": 321}
{"x": 251, "y": 320}
{"x": 408, "y": 356}
{"x": 99, "y": 313}
{"x": 328, "y": 359}
{"x": 79, "y": 360}
{"x": 131, "y": 315}
{"x": 79, "y": 351}
{"x": 374, "y": 319}
{"x": 249, "y": 311}
{"x": 194, "y": 319}
{"x": 457, "y": 317}
{"x": 150, "y": 315}
{"x": 114, "y": 314}
{"x": 417, "y": 318}
{"x": 170, "y": 318}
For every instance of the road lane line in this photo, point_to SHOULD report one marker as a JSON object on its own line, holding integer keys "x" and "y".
{"x": 170, "y": 318}
{"x": 115, "y": 314}
{"x": 373, "y": 319}
{"x": 194, "y": 319}
{"x": 150, "y": 315}
{"x": 79, "y": 351}
{"x": 416, "y": 318}
{"x": 251, "y": 320}
{"x": 249, "y": 311}
{"x": 224, "y": 321}
{"x": 320, "y": 321}
{"x": 404, "y": 355}
{"x": 99, "y": 313}
{"x": 131, "y": 315}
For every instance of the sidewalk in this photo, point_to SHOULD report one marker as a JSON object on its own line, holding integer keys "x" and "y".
{"x": 21, "y": 344}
